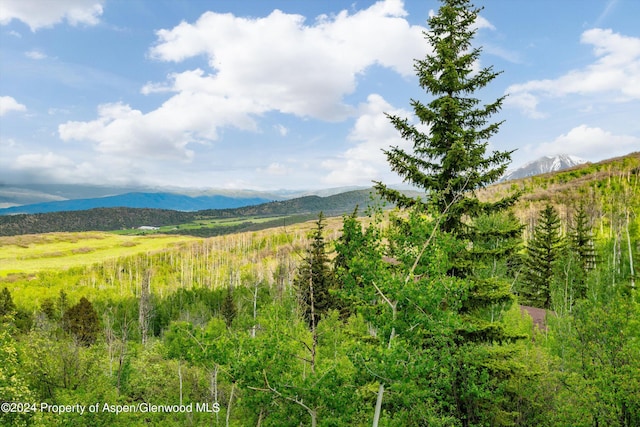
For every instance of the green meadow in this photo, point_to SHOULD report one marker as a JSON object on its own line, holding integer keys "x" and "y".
{"x": 58, "y": 251}
{"x": 199, "y": 224}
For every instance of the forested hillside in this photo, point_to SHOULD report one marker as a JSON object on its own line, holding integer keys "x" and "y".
{"x": 411, "y": 316}
{"x": 107, "y": 219}
{"x": 223, "y": 321}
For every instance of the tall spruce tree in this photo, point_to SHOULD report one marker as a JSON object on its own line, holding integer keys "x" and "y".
{"x": 581, "y": 239}
{"x": 542, "y": 253}
{"x": 315, "y": 277}
{"x": 450, "y": 161}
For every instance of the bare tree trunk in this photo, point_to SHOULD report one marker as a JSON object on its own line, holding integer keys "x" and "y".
{"x": 314, "y": 335}
{"x": 180, "y": 378}
{"x": 376, "y": 415}
{"x": 255, "y": 310}
{"x": 632, "y": 271}
{"x": 123, "y": 353}
{"x": 393, "y": 305}
{"x": 233, "y": 388}
{"x": 144, "y": 306}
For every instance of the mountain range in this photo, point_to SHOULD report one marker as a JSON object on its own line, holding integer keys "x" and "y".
{"x": 178, "y": 202}
{"x": 542, "y": 165}
{"x": 44, "y": 198}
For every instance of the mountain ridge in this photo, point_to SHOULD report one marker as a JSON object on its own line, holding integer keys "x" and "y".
{"x": 544, "y": 164}
{"x": 161, "y": 200}
{"x": 118, "y": 218}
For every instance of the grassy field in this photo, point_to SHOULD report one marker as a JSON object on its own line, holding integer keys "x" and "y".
{"x": 58, "y": 251}
{"x": 195, "y": 225}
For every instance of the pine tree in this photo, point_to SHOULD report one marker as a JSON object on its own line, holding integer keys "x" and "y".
{"x": 543, "y": 251}
{"x": 7, "y": 306}
{"x": 229, "y": 310}
{"x": 82, "y": 321}
{"x": 581, "y": 239}
{"x": 315, "y": 277}
{"x": 450, "y": 161}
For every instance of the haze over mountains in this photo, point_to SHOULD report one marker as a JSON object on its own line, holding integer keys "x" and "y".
{"x": 43, "y": 198}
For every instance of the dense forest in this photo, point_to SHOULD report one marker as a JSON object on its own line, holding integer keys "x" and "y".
{"x": 415, "y": 316}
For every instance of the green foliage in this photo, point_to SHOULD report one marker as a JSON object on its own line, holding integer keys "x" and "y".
{"x": 598, "y": 346}
{"x": 82, "y": 321}
{"x": 7, "y": 307}
{"x": 315, "y": 278}
{"x": 450, "y": 161}
{"x": 543, "y": 252}
{"x": 13, "y": 385}
{"x": 581, "y": 240}
{"x": 229, "y": 311}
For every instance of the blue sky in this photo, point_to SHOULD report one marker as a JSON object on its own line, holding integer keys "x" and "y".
{"x": 261, "y": 94}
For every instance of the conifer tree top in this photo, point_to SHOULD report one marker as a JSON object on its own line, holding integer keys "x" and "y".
{"x": 449, "y": 161}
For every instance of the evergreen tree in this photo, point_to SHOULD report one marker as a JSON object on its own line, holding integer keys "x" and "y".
{"x": 315, "y": 277}
{"x": 442, "y": 266}
{"x": 82, "y": 321}
{"x": 229, "y": 310}
{"x": 581, "y": 239}
{"x": 450, "y": 161}
{"x": 542, "y": 253}
{"x": 7, "y": 306}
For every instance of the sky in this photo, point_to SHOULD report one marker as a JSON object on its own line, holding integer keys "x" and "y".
{"x": 291, "y": 94}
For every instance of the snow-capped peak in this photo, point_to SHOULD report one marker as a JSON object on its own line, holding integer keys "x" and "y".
{"x": 542, "y": 165}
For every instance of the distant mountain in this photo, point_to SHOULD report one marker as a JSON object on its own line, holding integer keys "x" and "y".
{"x": 116, "y": 218}
{"x": 544, "y": 164}
{"x": 169, "y": 201}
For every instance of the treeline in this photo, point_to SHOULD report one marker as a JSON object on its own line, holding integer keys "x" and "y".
{"x": 108, "y": 219}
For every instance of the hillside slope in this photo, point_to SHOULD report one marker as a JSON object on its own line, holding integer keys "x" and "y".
{"x": 117, "y": 218}
{"x": 169, "y": 201}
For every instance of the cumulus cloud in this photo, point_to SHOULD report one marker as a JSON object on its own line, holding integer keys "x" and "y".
{"x": 8, "y": 103}
{"x": 615, "y": 73}
{"x": 372, "y": 132}
{"x": 282, "y": 63}
{"x": 256, "y": 65}
{"x": 119, "y": 129}
{"x": 38, "y": 15}
{"x": 52, "y": 167}
{"x": 591, "y": 143}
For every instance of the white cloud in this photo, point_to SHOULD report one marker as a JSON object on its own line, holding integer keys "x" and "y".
{"x": 35, "y": 54}
{"x": 281, "y": 63}
{"x": 8, "y": 103}
{"x": 37, "y": 14}
{"x": 591, "y": 143}
{"x": 119, "y": 129}
{"x": 257, "y": 65}
{"x": 614, "y": 76}
{"x": 372, "y": 133}
{"x": 482, "y": 23}
{"x": 51, "y": 167}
